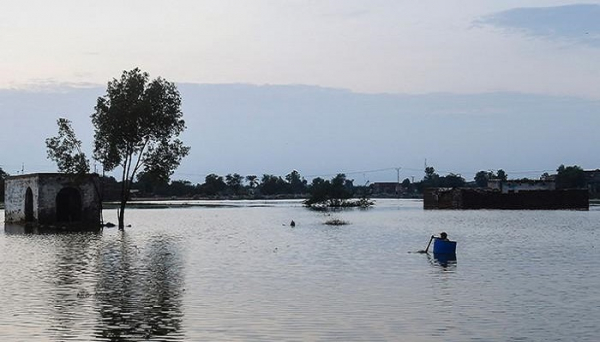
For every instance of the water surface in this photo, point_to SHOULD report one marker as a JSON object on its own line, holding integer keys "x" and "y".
{"x": 239, "y": 272}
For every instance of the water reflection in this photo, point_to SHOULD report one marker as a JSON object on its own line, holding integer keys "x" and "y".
{"x": 139, "y": 291}
{"x": 133, "y": 288}
{"x": 72, "y": 284}
{"x": 33, "y": 228}
{"x": 443, "y": 260}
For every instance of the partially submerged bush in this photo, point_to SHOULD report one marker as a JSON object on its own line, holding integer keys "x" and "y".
{"x": 336, "y": 193}
{"x": 336, "y": 222}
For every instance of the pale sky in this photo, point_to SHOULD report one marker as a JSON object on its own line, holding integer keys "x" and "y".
{"x": 468, "y": 85}
{"x": 374, "y": 46}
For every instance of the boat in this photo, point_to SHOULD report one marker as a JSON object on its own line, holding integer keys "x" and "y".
{"x": 441, "y": 246}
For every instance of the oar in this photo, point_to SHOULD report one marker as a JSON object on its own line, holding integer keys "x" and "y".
{"x": 426, "y": 249}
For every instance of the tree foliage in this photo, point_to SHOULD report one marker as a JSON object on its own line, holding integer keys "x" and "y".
{"x": 297, "y": 184}
{"x": 334, "y": 193}
{"x": 136, "y": 126}
{"x": 432, "y": 179}
{"x": 570, "y": 177}
{"x": 482, "y": 177}
{"x": 234, "y": 182}
{"x": 213, "y": 184}
{"x": 65, "y": 150}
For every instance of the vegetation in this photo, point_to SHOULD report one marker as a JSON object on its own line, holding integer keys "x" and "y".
{"x": 433, "y": 180}
{"x": 334, "y": 194}
{"x": 482, "y": 177}
{"x": 65, "y": 150}
{"x": 336, "y": 222}
{"x": 136, "y": 125}
{"x": 570, "y": 177}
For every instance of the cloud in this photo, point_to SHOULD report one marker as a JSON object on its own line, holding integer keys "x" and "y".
{"x": 578, "y": 23}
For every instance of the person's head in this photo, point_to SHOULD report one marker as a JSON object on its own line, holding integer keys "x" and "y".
{"x": 443, "y": 235}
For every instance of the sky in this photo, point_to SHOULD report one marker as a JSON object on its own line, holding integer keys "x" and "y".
{"x": 451, "y": 62}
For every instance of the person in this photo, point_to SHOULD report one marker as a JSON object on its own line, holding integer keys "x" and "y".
{"x": 293, "y": 224}
{"x": 443, "y": 236}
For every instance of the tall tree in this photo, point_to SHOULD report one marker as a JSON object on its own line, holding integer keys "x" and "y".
{"x": 65, "y": 150}
{"x": 136, "y": 126}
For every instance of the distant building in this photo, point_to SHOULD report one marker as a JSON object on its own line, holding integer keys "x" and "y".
{"x": 515, "y": 186}
{"x": 387, "y": 188}
{"x": 52, "y": 198}
{"x": 592, "y": 179}
{"x": 478, "y": 198}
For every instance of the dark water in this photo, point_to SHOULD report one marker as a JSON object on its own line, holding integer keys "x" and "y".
{"x": 240, "y": 273}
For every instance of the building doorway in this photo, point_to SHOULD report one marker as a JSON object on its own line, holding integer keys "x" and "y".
{"x": 28, "y": 205}
{"x": 68, "y": 205}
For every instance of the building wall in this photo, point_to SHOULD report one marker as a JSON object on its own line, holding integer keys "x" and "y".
{"x": 14, "y": 197}
{"x": 46, "y": 188}
{"x": 516, "y": 186}
{"x": 440, "y": 198}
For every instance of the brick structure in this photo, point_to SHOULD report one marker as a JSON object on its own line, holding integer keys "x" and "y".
{"x": 52, "y": 198}
{"x": 467, "y": 198}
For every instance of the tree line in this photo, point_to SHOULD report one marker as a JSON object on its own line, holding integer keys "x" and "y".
{"x": 294, "y": 185}
{"x": 234, "y": 185}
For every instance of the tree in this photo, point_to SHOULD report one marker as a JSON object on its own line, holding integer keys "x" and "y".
{"x": 234, "y": 182}
{"x": 136, "y": 125}
{"x": 340, "y": 187}
{"x": 451, "y": 181}
{"x": 335, "y": 193}
{"x": 570, "y": 177}
{"x": 65, "y": 150}
{"x": 501, "y": 175}
{"x": 297, "y": 183}
{"x": 481, "y": 178}
{"x": 431, "y": 178}
{"x": 213, "y": 184}
{"x": 271, "y": 185}
{"x": 252, "y": 181}
{"x": 149, "y": 183}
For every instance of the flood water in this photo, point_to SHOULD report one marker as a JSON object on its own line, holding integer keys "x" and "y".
{"x": 239, "y": 272}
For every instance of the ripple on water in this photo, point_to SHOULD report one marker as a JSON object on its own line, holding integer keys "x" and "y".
{"x": 242, "y": 274}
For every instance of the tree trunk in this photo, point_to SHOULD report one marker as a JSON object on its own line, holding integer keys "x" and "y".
{"x": 121, "y": 215}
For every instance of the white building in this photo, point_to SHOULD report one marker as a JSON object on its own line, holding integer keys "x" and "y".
{"x": 514, "y": 186}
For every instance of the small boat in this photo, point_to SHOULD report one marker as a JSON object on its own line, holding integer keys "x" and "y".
{"x": 441, "y": 246}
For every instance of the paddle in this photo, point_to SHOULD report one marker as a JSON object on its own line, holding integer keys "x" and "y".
{"x": 426, "y": 249}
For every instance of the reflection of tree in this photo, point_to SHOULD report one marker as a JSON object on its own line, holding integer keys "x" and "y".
{"x": 139, "y": 291}
{"x": 71, "y": 284}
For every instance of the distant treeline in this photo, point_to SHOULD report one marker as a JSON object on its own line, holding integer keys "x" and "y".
{"x": 294, "y": 185}
{"x": 234, "y": 185}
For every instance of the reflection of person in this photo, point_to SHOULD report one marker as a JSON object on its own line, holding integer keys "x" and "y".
{"x": 443, "y": 236}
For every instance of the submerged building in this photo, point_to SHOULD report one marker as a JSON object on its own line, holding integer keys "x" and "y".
{"x": 479, "y": 198}
{"x": 52, "y": 198}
